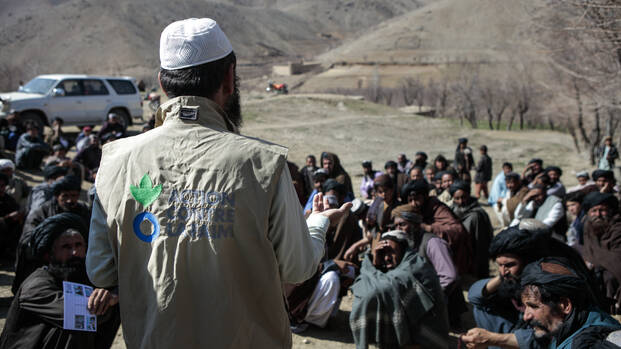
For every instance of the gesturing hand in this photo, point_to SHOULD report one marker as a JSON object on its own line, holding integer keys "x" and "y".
{"x": 321, "y": 206}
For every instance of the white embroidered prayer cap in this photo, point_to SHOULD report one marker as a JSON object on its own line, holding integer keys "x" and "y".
{"x": 192, "y": 42}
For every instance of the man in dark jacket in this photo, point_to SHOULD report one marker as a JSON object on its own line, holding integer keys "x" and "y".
{"x": 477, "y": 223}
{"x": 36, "y": 316}
{"x": 602, "y": 243}
{"x": 483, "y": 173}
{"x": 66, "y": 193}
{"x": 562, "y": 310}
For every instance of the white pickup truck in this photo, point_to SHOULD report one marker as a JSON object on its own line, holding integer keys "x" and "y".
{"x": 79, "y": 100}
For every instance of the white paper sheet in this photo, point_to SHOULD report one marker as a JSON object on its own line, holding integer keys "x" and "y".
{"x": 77, "y": 316}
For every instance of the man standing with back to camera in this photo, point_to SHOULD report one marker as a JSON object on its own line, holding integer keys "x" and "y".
{"x": 199, "y": 226}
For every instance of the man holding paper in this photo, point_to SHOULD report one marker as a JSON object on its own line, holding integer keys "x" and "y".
{"x": 36, "y": 316}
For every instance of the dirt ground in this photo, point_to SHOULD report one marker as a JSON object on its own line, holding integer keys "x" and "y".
{"x": 357, "y": 130}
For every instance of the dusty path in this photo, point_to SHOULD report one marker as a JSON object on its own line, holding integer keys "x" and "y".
{"x": 356, "y": 131}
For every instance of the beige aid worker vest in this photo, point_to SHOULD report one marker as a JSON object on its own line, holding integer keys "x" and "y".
{"x": 207, "y": 277}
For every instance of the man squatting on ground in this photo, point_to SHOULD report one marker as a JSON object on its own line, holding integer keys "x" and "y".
{"x": 226, "y": 228}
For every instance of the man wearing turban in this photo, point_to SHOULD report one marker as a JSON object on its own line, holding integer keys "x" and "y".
{"x": 36, "y": 316}
{"x": 496, "y": 303}
{"x": 560, "y": 307}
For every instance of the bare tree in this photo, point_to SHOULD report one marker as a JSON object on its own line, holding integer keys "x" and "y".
{"x": 495, "y": 101}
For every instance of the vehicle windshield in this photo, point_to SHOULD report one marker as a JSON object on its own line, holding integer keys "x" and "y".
{"x": 38, "y": 85}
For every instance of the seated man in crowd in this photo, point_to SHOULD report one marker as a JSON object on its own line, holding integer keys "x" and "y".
{"x": 420, "y": 159}
{"x": 317, "y": 299}
{"x": 477, "y": 224}
{"x": 82, "y": 140}
{"x": 378, "y": 216}
{"x": 398, "y": 178}
{"x": 403, "y": 163}
{"x": 499, "y": 188}
{"x": 495, "y": 301}
{"x": 505, "y": 207}
{"x": 547, "y": 209}
{"x": 90, "y": 157}
{"x": 11, "y": 220}
{"x": 307, "y": 173}
{"x": 12, "y": 130}
{"x": 319, "y": 177}
{"x": 331, "y": 163}
{"x": 575, "y": 233}
{"x": 602, "y": 244}
{"x": 112, "y": 127}
{"x": 66, "y": 194}
{"x": 532, "y": 170}
{"x": 30, "y": 149}
{"x": 43, "y": 192}
{"x": 440, "y": 220}
{"x": 437, "y": 252}
{"x": 398, "y": 300}
{"x": 605, "y": 181}
{"x": 16, "y": 187}
{"x": 346, "y": 232}
{"x": 368, "y": 176}
{"x": 58, "y": 137}
{"x": 35, "y": 318}
{"x": 426, "y": 244}
{"x": 583, "y": 182}
{"x": 555, "y": 187}
{"x": 448, "y": 178}
{"x": 416, "y": 173}
{"x": 562, "y": 310}
{"x": 59, "y": 158}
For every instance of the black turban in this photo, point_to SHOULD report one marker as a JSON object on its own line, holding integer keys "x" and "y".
{"x": 390, "y": 163}
{"x": 67, "y": 183}
{"x": 46, "y": 232}
{"x": 417, "y": 187}
{"x": 603, "y": 173}
{"x": 459, "y": 185}
{"x": 555, "y": 169}
{"x": 332, "y": 184}
{"x": 596, "y": 198}
{"x": 528, "y": 245}
{"x": 52, "y": 171}
{"x": 536, "y": 160}
{"x": 462, "y": 140}
{"x": 421, "y": 153}
{"x": 512, "y": 176}
{"x": 555, "y": 276}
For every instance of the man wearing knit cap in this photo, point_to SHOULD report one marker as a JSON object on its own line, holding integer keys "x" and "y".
{"x": 199, "y": 226}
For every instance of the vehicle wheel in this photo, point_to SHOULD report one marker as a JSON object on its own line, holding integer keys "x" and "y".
{"x": 123, "y": 118}
{"x": 34, "y": 117}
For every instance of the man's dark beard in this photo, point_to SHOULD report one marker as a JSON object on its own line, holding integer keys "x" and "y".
{"x": 509, "y": 288}
{"x": 232, "y": 107}
{"x": 73, "y": 270}
{"x": 599, "y": 225}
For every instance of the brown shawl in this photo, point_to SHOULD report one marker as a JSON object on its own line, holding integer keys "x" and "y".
{"x": 602, "y": 247}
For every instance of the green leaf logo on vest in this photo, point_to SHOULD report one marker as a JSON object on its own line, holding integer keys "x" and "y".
{"x": 145, "y": 194}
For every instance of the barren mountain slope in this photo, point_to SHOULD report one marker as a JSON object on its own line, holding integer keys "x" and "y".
{"x": 120, "y": 37}
{"x": 444, "y": 30}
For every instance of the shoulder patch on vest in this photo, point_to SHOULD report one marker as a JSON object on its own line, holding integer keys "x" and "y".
{"x": 188, "y": 113}
{"x": 145, "y": 193}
